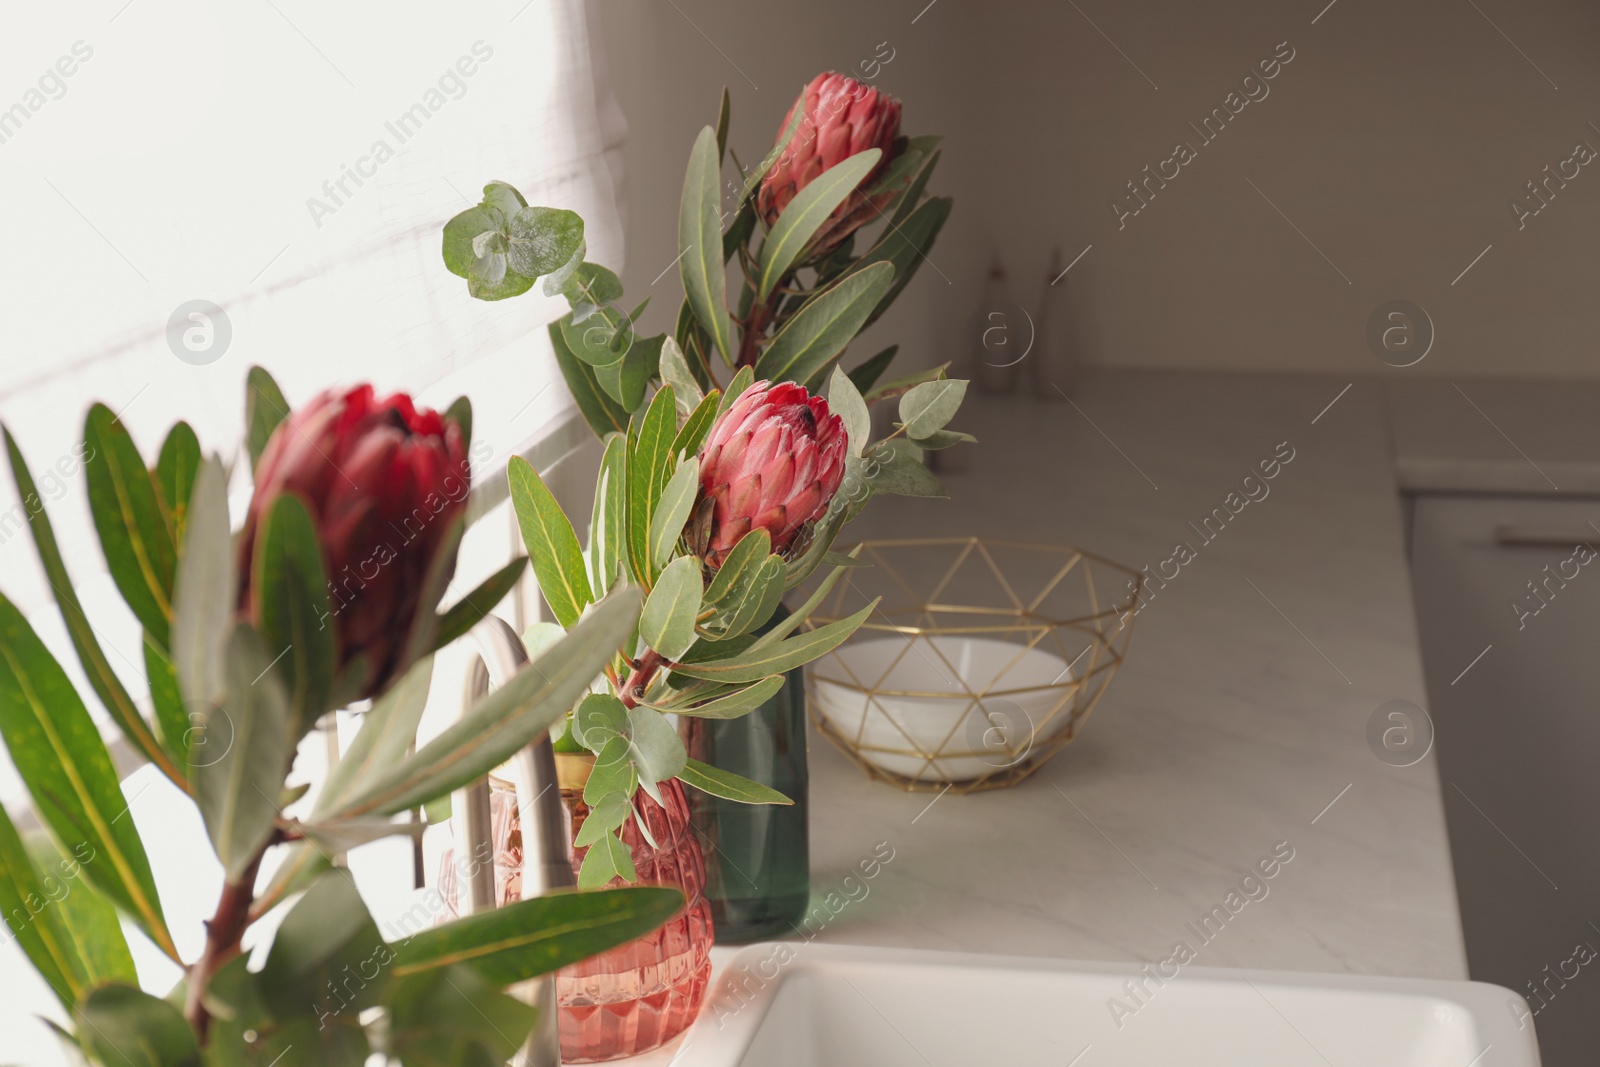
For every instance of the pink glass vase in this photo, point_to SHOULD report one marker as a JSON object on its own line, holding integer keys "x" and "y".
{"x": 640, "y": 995}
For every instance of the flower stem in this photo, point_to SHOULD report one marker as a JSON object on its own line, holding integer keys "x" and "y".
{"x": 224, "y": 931}
{"x": 640, "y": 677}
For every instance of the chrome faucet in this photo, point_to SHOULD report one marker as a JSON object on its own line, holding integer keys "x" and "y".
{"x": 546, "y": 843}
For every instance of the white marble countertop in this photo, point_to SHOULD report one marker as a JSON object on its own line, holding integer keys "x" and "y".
{"x": 1234, "y": 725}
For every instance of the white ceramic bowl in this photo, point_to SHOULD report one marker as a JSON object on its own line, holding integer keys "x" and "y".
{"x": 921, "y": 691}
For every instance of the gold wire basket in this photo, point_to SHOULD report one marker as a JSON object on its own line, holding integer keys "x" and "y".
{"x": 980, "y": 664}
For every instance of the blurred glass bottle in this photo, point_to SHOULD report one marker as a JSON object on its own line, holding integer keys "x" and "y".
{"x": 1053, "y": 363}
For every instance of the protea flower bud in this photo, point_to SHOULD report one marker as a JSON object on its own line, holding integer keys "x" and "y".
{"x": 840, "y": 117}
{"x": 772, "y": 462}
{"x": 382, "y": 481}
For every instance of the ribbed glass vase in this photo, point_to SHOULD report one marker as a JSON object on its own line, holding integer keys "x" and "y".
{"x": 758, "y": 859}
{"x": 640, "y": 995}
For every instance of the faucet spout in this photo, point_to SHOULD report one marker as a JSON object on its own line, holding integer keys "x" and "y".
{"x": 546, "y": 844}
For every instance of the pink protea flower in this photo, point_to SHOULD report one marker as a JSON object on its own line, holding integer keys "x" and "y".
{"x": 382, "y": 480}
{"x": 841, "y": 116}
{"x": 772, "y": 462}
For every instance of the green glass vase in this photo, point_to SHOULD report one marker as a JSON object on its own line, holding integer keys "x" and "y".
{"x": 758, "y": 859}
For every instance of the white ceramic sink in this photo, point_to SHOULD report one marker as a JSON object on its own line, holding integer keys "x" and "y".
{"x": 808, "y": 1005}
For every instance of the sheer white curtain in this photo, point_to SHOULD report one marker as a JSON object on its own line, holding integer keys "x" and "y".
{"x": 291, "y": 162}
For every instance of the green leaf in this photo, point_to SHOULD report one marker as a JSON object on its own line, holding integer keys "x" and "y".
{"x": 504, "y": 198}
{"x": 449, "y": 1017}
{"x": 658, "y": 752}
{"x": 695, "y": 428}
{"x": 533, "y": 937}
{"x": 735, "y": 705}
{"x": 296, "y": 620}
{"x": 460, "y": 413}
{"x": 176, "y": 468}
{"x": 122, "y": 1026}
{"x": 327, "y": 939}
{"x": 942, "y": 439}
{"x": 672, "y": 511}
{"x": 906, "y": 245}
{"x": 467, "y": 612}
{"x": 739, "y": 231}
{"x": 595, "y": 342}
{"x": 242, "y": 753}
{"x": 748, "y": 555}
{"x": 603, "y": 414}
{"x": 599, "y": 718}
{"x": 805, "y": 215}
{"x": 700, "y": 240}
{"x": 387, "y": 732}
{"x": 38, "y": 926}
{"x": 551, "y": 542}
{"x": 127, "y": 515}
{"x": 341, "y": 835}
{"x": 756, "y": 602}
{"x": 606, "y": 816}
{"x": 607, "y": 859}
{"x": 845, "y": 401}
{"x": 557, "y": 281}
{"x": 724, "y": 113}
{"x": 866, "y": 375}
{"x": 102, "y": 678}
{"x": 264, "y": 408}
{"x": 204, "y": 600}
{"x": 86, "y": 918}
{"x": 462, "y": 236}
{"x": 907, "y": 202}
{"x": 667, "y": 624}
{"x": 542, "y": 239}
{"x": 825, "y": 325}
{"x": 613, "y": 770}
{"x": 609, "y": 516}
{"x": 790, "y": 127}
{"x": 626, "y": 380}
{"x": 303, "y": 864}
{"x": 59, "y": 755}
{"x": 897, "y": 468}
{"x": 926, "y": 408}
{"x": 648, "y": 468}
{"x": 792, "y": 621}
{"x": 675, "y": 372}
{"x": 510, "y": 716}
{"x": 728, "y": 786}
{"x": 757, "y": 663}
{"x": 839, "y": 559}
{"x": 891, "y": 389}
{"x": 592, "y": 288}
{"x": 694, "y": 343}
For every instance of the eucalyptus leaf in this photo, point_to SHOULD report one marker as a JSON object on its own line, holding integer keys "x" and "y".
{"x": 327, "y": 936}
{"x": 543, "y": 239}
{"x": 926, "y": 408}
{"x": 599, "y": 718}
{"x": 898, "y": 469}
{"x": 124, "y": 1026}
{"x": 613, "y": 771}
{"x": 891, "y": 389}
{"x": 603, "y": 414}
{"x": 604, "y": 817}
{"x": 943, "y": 439}
{"x": 845, "y": 401}
{"x": 658, "y": 752}
{"x": 607, "y": 860}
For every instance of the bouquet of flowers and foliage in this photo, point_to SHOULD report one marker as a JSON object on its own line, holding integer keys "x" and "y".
{"x": 716, "y": 499}
{"x": 327, "y": 595}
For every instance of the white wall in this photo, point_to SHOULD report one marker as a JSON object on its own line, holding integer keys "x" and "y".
{"x": 1394, "y": 140}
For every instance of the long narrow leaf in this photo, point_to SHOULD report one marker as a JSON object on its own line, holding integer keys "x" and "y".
{"x": 735, "y": 705}
{"x": 26, "y": 908}
{"x": 700, "y": 240}
{"x": 540, "y": 935}
{"x": 756, "y": 663}
{"x": 672, "y": 511}
{"x": 296, "y": 618}
{"x": 806, "y": 213}
{"x": 551, "y": 542}
{"x": 264, "y": 408}
{"x": 509, "y": 717}
{"x": 603, "y": 414}
{"x": 60, "y": 757}
{"x": 728, "y": 786}
{"x": 610, "y": 515}
{"x": 85, "y": 918}
{"x": 127, "y": 515}
{"x": 387, "y": 733}
{"x": 102, "y": 678}
{"x": 175, "y": 472}
{"x": 204, "y": 602}
{"x": 647, "y": 473}
{"x": 467, "y": 612}
{"x": 824, "y": 326}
